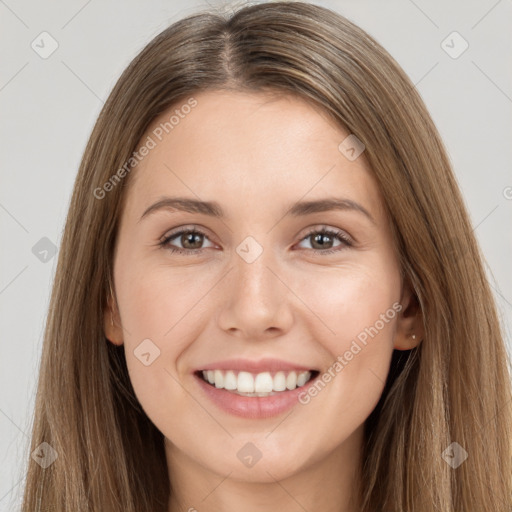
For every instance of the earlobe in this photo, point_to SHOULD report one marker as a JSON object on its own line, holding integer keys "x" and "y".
{"x": 407, "y": 342}
{"x": 410, "y": 330}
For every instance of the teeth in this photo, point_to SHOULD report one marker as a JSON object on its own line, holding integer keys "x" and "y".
{"x": 219, "y": 379}
{"x": 261, "y": 384}
{"x": 291, "y": 380}
{"x": 245, "y": 383}
{"x": 301, "y": 379}
{"x": 279, "y": 382}
{"x": 230, "y": 381}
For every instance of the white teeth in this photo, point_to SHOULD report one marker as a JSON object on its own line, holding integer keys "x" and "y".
{"x": 279, "y": 381}
{"x": 261, "y": 384}
{"x": 245, "y": 383}
{"x": 219, "y": 379}
{"x": 301, "y": 379}
{"x": 230, "y": 380}
{"x": 291, "y": 380}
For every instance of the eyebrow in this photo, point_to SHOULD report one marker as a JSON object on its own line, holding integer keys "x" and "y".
{"x": 213, "y": 209}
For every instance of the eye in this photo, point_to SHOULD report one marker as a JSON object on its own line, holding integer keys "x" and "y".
{"x": 192, "y": 238}
{"x": 324, "y": 237}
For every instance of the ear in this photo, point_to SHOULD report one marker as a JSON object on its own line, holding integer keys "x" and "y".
{"x": 409, "y": 331}
{"x": 112, "y": 322}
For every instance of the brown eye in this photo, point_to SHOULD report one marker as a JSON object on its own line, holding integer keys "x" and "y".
{"x": 322, "y": 240}
{"x": 190, "y": 239}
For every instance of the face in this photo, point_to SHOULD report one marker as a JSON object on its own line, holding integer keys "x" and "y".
{"x": 268, "y": 292}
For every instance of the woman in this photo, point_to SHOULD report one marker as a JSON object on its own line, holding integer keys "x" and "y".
{"x": 199, "y": 356}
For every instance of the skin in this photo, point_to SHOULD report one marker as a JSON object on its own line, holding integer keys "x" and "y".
{"x": 256, "y": 156}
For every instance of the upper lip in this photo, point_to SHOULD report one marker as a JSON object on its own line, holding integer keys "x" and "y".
{"x": 252, "y": 366}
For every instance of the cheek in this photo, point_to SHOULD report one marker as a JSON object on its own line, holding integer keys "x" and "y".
{"x": 356, "y": 311}
{"x": 348, "y": 300}
{"x": 159, "y": 303}
{"x": 162, "y": 313}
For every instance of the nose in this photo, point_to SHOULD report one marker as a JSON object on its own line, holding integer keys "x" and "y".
{"x": 256, "y": 300}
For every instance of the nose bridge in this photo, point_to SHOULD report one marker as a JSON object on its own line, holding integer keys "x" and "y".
{"x": 256, "y": 297}
{"x": 253, "y": 277}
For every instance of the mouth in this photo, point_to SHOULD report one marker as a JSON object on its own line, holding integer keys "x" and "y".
{"x": 261, "y": 384}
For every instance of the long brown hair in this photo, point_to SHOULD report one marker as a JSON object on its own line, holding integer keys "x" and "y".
{"x": 454, "y": 387}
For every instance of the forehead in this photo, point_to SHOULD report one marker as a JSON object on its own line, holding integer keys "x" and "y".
{"x": 259, "y": 147}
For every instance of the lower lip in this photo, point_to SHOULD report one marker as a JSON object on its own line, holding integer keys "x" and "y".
{"x": 253, "y": 407}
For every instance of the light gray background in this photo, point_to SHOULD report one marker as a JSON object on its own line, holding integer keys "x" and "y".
{"x": 48, "y": 107}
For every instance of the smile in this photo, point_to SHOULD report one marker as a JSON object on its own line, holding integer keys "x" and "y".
{"x": 254, "y": 395}
{"x": 257, "y": 384}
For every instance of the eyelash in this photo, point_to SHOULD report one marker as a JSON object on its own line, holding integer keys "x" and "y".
{"x": 343, "y": 237}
